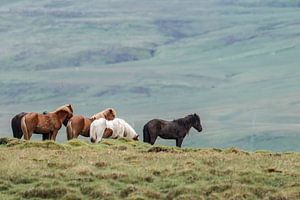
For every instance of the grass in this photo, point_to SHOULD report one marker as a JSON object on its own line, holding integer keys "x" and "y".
{"x": 125, "y": 169}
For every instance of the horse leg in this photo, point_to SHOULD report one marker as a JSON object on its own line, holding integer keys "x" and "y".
{"x": 70, "y": 134}
{"x": 53, "y": 135}
{"x": 50, "y": 136}
{"x": 28, "y": 135}
{"x": 100, "y": 134}
{"x": 46, "y": 136}
{"x": 27, "y": 130}
{"x": 153, "y": 138}
{"x": 179, "y": 142}
{"x": 76, "y": 133}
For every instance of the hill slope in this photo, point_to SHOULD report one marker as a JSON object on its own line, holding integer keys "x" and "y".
{"x": 123, "y": 169}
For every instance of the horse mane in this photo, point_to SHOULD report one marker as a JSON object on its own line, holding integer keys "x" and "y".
{"x": 67, "y": 107}
{"x": 185, "y": 121}
{"x": 196, "y": 117}
{"x": 104, "y": 112}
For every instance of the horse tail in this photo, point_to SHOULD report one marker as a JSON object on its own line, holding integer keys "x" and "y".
{"x": 69, "y": 130}
{"x": 15, "y": 129}
{"x": 146, "y": 134}
{"x": 17, "y": 134}
{"x": 24, "y": 128}
{"x": 93, "y": 134}
{"x": 16, "y": 125}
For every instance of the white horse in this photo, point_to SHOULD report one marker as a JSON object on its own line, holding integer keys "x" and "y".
{"x": 118, "y": 128}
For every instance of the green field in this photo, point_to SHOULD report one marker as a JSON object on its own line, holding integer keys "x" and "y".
{"x": 234, "y": 62}
{"x": 125, "y": 169}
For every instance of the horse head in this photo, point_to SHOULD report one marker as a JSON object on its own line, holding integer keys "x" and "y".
{"x": 197, "y": 122}
{"x": 93, "y": 140}
{"x": 65, "y": 113}
{"x": 70, "y": 107}
{"x": 67, "y": 118}
{"x": 136, "y": 137}
{"x": 110, "y": 114}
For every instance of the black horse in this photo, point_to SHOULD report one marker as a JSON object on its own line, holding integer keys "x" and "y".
{"x": 16, "y": 125}
{"x": 176, "y": 129}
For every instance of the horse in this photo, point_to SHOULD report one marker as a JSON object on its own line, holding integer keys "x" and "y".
{"x": 108, "y": 113}
{"x": 47, "y": 124}
{"x": 16, "y": 126}
{"x": 115, "y": 128}
{"x": 80, "y": 125}
{"x": 176, "y": 129}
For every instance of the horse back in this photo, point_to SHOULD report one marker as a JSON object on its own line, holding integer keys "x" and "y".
{"x": 162, "y": 128}
{"x": 156, "y": 124}
{"x": 43, "y": 123}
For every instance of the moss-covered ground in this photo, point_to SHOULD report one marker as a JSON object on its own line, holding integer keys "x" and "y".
{"x": 124, "y": 169}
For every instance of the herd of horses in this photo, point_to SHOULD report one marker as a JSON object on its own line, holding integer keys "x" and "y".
{"x": 104, "y": 124}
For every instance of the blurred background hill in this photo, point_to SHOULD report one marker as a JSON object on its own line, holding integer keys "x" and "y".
{"x": 234, "y": 62}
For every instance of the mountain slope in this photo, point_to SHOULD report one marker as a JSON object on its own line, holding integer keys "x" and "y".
{"x": 236, "y": 63}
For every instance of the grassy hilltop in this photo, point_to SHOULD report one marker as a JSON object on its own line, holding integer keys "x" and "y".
{"x": 123, "y": 169}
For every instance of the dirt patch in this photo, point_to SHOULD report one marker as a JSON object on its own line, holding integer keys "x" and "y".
{"x": 273, "y": 170}
{"x": 159, "y": 149}
{"x": 45, "y": 193}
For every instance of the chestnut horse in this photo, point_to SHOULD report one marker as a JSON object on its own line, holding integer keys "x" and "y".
{"x": 48, "y": 123}
{"x": 16, "y": 126}
{"x": 176, "y": 129}
{"x": 80, "y": 125}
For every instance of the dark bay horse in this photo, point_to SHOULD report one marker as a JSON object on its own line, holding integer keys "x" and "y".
{"x": 47, "y": 124}
{"x": 176, "y": 129}
{"x": 80, "y": 125}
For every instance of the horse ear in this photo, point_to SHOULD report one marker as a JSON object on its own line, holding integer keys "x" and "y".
{"x": 196, "y": 116}
{"x": 70, "y": 106}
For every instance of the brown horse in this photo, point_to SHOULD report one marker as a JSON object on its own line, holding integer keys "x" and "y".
{"x": 16, "y": 126}
{"x": 48, "y": 123}
{"x": 80, "y": 125}
{"x": 108, "y": 113}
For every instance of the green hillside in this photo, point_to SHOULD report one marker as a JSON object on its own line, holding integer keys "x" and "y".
{"x": 235, "y": 62}
{"x": 125, "y": 169}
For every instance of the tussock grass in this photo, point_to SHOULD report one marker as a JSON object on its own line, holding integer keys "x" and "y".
{"x": 125, "y": 169}
{"x": 45, "y": 193}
